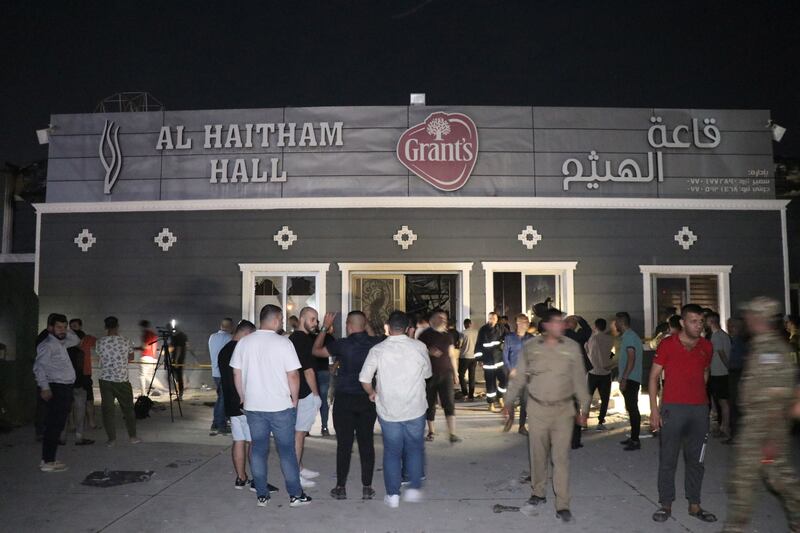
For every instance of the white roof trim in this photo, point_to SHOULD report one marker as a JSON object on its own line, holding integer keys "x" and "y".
{"x": 685, "y": 269}
{"x": 17, "y": 258}
{"x": 404, "y": 202}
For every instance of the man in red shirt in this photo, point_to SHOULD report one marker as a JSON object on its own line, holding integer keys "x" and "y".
{"x": 682, "y": 420}
{"x": 147, "y": 367}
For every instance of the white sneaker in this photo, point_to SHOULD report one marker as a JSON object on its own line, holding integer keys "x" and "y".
{"x": 135, "y": 440}
{"x": 308, "y": 474}
{"x": 55, "y": 466}
{"x": 392, "y": 500}
{"x": 307, "y": 483}
{"x": 412, "y": 495}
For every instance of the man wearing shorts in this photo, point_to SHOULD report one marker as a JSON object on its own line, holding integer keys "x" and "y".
{"x": 310, "y": 402}
{"x": 440, "y": 385}
{"x": 265, "y": 374}
{"x": 233, "y": 409}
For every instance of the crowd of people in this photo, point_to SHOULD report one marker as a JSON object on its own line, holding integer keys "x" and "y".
{"x": 274, "y": 383}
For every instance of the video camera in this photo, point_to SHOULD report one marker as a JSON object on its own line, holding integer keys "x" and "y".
{"x": 167, "y": 331}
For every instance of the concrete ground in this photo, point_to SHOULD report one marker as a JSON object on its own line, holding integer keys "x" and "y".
{"x": 192, "y": 488}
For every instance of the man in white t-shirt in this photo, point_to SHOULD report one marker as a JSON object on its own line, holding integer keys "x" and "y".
{"x": 402, "y": 365}
{"x": 265, "y": 373}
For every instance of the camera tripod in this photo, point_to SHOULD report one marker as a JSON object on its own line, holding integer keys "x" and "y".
{"x": 172, "y": 384}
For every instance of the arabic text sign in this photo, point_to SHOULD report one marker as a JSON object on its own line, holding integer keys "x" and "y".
{"x": 629, "y": 170}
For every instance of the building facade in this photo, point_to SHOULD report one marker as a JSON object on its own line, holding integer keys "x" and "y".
{"x": 197, "y": 215}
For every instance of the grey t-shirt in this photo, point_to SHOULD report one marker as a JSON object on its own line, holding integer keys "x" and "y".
{"x": 722, "y": 343}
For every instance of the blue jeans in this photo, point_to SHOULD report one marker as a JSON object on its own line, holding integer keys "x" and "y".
{"x": 403, "y": 449}
{"x": 281, "y": 425}
{"x": 219, "y": 408}
{"x": 324, "y": 384}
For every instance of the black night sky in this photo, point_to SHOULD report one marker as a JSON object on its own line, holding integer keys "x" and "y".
{"x": 65, "y": 57}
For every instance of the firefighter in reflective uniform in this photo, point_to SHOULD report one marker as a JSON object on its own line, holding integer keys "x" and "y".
{"x": 489, "y": 351}
{"x": 770, "y": 402}
{"x": 552, "y": 368}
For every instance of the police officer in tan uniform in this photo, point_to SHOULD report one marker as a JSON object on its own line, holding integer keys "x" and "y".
{"x": 552, "y": 368}
{"x": 769, "y": 400}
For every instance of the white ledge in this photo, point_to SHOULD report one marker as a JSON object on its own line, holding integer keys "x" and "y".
{"x": 17, "y": 258}
{"x": 405, "y": 202}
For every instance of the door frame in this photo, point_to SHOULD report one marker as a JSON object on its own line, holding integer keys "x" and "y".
{"x": 462, "y": 270}
{"x": 723, "y": 273}
{"x": 251, "y": 270}
{"x": 565, "y": 271}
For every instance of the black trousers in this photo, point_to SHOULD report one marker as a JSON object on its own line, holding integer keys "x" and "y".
{"x": 467, "y": 366}
{"x": 603, "y": 385}
{"x": 58, "y": 408}
{"x": 683, "y": 426}
{"x": 177, "y": 371}
{"x": 440, "y": 386}
{"x": 495, "y": 382}
{"x": 354, "y": 415}
{"x": 40, "y": 416}
{"x": 631, "y": 395}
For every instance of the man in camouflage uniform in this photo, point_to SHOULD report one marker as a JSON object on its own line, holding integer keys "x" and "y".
{"x": 768, "y": 400}
{"x": 552, "y": 368}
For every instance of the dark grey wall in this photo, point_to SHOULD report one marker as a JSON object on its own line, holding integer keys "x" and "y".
{"x": 793, "y": 232}
{"x": 23, "y": 239}
{"x": 198, "y": 279}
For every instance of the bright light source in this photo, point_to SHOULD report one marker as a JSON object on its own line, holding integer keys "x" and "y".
{"x": 778, "y": 132}
{"x": 43, "y": 135}
{"x": 172, "y": 323}
{"x": 417, "y": 98}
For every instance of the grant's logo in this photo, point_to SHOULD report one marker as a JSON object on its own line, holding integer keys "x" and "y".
{"x": 112, "y": 161}
{"x": 442, "y": 150}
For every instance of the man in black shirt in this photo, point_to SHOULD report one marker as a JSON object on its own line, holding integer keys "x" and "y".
{"x": 233, "y": 407}
{"x": 177, "y": 348}
{"x": 309, "y": 400}
{"x": 353, "y": 412}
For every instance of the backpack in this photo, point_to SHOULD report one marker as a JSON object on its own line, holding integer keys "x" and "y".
{"x": 142, "y": 406}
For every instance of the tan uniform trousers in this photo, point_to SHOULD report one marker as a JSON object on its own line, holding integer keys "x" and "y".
{"x": 550, "y": 438}
{"x": 747, "y": 473}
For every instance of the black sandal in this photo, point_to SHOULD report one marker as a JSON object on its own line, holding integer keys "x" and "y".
{"x": 704, "y": 515}
{"x": 662, "y": 515}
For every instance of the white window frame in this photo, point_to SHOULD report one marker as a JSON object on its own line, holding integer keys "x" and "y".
{"x": 564, "y": 270}
{"x": 649, "y": 272}
{"x": 252, "y": 270}
{"x": 463, "y": 270}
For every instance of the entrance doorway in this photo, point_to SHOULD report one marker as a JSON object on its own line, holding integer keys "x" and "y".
{"x": 377, "y": 289}
{"x": 377, "y": 295}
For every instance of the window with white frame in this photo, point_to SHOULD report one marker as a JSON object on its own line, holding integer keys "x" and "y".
{"x": 514, "y": 287}
{"x": 289, "y": 286}
{"x": 667, "y": 288}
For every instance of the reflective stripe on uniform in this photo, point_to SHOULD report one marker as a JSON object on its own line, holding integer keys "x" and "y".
{"x": 490, "y": 344}
{"x": 491, "y": 394}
